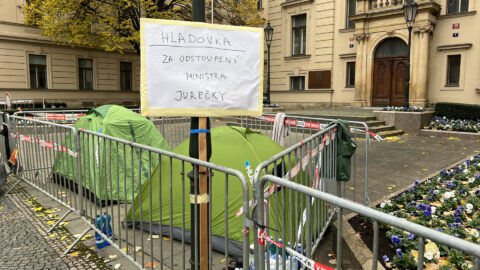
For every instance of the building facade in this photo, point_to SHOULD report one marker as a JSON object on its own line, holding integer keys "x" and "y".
{"x": 354, "y": 52}
{"x": 34, "y": 68}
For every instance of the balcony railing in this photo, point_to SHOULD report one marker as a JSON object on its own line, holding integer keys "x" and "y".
{"x": 386, "y": 4}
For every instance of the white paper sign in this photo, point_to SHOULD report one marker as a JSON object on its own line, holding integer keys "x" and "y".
{"x": 199, "y": 69}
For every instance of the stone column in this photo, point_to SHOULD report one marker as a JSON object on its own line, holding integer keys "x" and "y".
{"x": 419, "y": 94}
{"x": 360, "y": 71}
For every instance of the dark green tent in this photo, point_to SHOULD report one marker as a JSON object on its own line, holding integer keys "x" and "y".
{"x": 102, "y": 162}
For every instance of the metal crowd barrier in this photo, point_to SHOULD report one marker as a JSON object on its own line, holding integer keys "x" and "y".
{"x": 310, "y": 163}
{"x": 302, "y": 127}
{"x": 378, "y": 217}
{"x": 99, "y": 176}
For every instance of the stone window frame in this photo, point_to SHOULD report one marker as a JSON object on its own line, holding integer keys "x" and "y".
{"x": 347, "y": 73}
{"x": 463, "y": 64}
{"x": 348, "y": 23}
{"x": 297, "y": 77}
{"x": 458, "y": 8}
{"x": 94, "y": 72}
{"x": 305, "y": 29}
{"x": 132, "y": 78}
{"x": 47, "y": 70}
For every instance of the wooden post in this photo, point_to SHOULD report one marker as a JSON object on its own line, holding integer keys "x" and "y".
{"x": 203, "y": 191}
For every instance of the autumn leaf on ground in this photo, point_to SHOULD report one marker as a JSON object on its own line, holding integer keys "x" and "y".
{"x": 86, "y": 237}
{"x": 1, "y": 207}
{"x": 149, "y": 265}
{"x": 112, "y": 256}
{"x": 117, "y": 266}
{"x": 52, "y": 235}
{"x": 63, "y": 237}
{"x": 74, "y": 254}
{"x": 50, "y": 222}
{"x": 38, "y": 209}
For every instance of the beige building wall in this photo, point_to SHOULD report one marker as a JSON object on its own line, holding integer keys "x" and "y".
{"x": 318, "y": 53}
{"x": 376, "y": 20}
{"x": 18, "y": 41}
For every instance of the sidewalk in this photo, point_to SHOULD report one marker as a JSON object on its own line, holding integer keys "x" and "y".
{"x": 24, "y": 241}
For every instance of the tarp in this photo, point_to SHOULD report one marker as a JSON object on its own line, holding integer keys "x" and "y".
{"x": 233, "y": 147}
{"x": 103, "y": 162}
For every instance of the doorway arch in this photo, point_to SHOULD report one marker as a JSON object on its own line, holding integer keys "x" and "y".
{"x": 389, "y": 72}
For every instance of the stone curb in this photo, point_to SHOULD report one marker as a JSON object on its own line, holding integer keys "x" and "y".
{"x": 447, "y": 133}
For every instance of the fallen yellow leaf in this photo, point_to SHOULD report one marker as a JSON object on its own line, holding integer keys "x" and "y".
{"x": 48, "y": 211}
{"x": 51, "y": 222}
{"x": 425, "y": 169}
{"x": 137, "y": 249}
{"x": 40, "y": 215}
{"x": 112, "y": 256}
{"x": 66, "y": 223}
{"x": 352, "y": 188}
{"x": 124, "y": 249}
{"x": 223, "y": 260}
{"x": 63, "y": 237}
{"x": 38, "y": 209}
{"x": 74, "y": 254}
{"x": 1, "y": 207}
{"x": 166, "y": 238}
{"x": 52, "y": 235}
{"x": 86, "y": 237}
{"x": 118, "y": 265}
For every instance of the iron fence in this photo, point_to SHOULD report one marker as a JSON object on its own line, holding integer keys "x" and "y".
{"x": 378, "y": 217}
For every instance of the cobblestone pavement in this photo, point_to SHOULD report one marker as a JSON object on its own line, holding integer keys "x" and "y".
{"x": 25, "y": 243}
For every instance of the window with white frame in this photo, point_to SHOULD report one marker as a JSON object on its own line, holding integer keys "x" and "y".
{"x": 457, "y": 6}
{"x": 297, "y": 83}
{"x": 299, "y": 34}
{"x": 38, "y": 71}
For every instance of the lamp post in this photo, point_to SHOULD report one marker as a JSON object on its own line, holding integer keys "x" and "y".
{"x": 410, "y": 10}
{"x": 268, "y": 38}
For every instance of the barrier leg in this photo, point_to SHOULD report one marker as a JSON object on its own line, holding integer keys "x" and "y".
{"x": 76, "y": 241}
{"x": 60, "y": 220}
{"x": 18, "y": 182}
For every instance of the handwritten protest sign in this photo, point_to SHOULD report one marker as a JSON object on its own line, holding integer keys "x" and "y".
{"x": 199, "y": 69}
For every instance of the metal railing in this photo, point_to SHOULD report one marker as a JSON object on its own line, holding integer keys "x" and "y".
{"x": 110, "y": 180}
{"x": 310, "y": 163}
{"x": 302, "y": 127}
{"x": 378, "y": 217}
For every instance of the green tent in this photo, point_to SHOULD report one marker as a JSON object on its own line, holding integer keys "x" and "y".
{"x": 232, "y": 147}
{"x": 102, "y": 161}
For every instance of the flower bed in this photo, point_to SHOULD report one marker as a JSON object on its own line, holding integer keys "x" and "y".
{"x": 444, "y": 123}
{"x": 448, "y": 202}
{"x": 404, "y": 109}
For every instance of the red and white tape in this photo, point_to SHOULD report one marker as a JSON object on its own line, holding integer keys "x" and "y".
{"x": 45, "y": 144}
{"x": 307, "y": 262}
{"x": 312, "y": 125}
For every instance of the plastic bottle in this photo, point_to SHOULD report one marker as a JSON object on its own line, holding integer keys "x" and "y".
{"x": 107, "y": 228}
{"x": 99, "y": 241}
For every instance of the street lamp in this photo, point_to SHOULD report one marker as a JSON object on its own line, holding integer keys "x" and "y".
{"x": 410, "y": 10}
{"x": 268, "y": 38}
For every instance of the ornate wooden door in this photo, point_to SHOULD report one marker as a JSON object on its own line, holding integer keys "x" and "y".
{"x": 389, "y": 81}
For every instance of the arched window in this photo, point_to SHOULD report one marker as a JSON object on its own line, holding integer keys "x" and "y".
{"x": 392, "y": 47}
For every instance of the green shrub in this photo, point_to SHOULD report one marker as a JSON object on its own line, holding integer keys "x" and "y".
{"x": 458, "y": 110}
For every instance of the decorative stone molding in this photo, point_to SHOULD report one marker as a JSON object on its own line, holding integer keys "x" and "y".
{"x": 426, "y": 28}
{"x": 348, "y": 55}
{"x": 296, "y": 57}
{"x": 462, "y": 46}
{"x": 292, "y": 3}
{"x": 361, "y": 36}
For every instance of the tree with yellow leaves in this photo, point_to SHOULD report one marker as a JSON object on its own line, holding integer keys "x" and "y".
{"x": 114, "y": 24}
